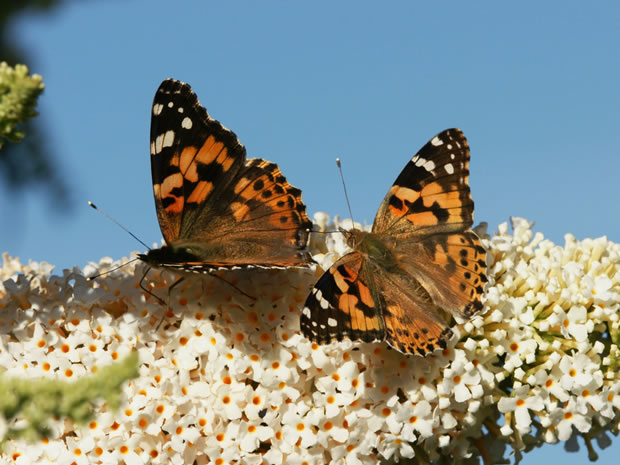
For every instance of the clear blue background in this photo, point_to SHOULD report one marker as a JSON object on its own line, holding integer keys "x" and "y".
{"x": 535, "y": 86}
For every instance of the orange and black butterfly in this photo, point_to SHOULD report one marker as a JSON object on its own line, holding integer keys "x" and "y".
{"x": 419, "y": 261}
{"x": 217, "y": 209}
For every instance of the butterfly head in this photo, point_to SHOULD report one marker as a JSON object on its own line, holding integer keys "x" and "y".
{"x": 352, "y": 236}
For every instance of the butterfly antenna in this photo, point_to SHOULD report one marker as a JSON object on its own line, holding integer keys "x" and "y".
{"x": 90, "y": 278}
{"x": 344, "y": 186}
{"x": 117, "y": 224}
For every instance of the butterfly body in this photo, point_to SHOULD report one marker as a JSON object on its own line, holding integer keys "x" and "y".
{"x": 417, "y": 265}
{"x": 217, "y": 209}
{"x": 376, "y": 249}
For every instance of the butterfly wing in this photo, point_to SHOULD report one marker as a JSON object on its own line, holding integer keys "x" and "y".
{"x": 261, "y": 220}
{"x": 427, "y": 212}
{"x": 431, "y": 194}
{"x": 413, "y": 323}
{"x": 452, "y": 269}
{"x": 342, "y": 305}
{"x": 214, "y": 207}
{"x": 358, "y": 300}
{"x": 192, "y": 158}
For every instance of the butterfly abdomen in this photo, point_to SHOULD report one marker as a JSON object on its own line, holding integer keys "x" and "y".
{"x": 170, "y": 256}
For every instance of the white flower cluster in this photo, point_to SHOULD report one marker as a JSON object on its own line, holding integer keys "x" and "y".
{"x": 228, "y": 379}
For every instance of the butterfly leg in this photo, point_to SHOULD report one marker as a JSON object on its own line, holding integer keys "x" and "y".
{"x": 161, "y": 301}
{"x": 175, "y": 284}
{"x": 233, "y": 286}
{"x": 145, "y": 289}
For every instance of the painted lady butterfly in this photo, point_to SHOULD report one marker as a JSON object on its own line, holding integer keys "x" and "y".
{"x": 419, "y": 263}
{"x": 216, "y": 209}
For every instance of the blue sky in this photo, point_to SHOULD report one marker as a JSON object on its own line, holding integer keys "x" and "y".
{"x": 534, "y": 87}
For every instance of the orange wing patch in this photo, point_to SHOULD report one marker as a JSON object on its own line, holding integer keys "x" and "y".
{"x": 340, "y": 280}
{"x": 406, "y": 195}
{"x": 365, "y": 295}
{"x": 200, "y": 192}
{"x": 214, "y": 151}
{"x": 360, "y": 322}
{"x": 173, "y": 203}
{"x": 239, "y": 210}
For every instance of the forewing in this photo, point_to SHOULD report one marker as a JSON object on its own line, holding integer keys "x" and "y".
{"x": 432, "y": 193}
{"x": 343, "y": 305}
{"x": 193, "y": 159}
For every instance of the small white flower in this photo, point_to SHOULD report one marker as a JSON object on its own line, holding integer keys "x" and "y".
{"x": 229, "y": 400}
{"x": 416, "y": 418}
{"x": 550, "y": 383}
{"x": 297, "y": 425}
{"x": 521, "y": 403}
{"x": 224, "y": 436}
{"x": 579, "y": 371}
{"x": 569, "y": 417}
{"x": 391, "y": 445}
{"x": 250, "y": 436}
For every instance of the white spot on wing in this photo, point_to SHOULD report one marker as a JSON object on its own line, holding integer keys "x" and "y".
{"x": 332, "y": 323}
{"x": 418, "y": 161}
{"x": 436, "y": 141}
{"x": 186, "y": 123}
{"x": 306, "y": 312}
{"x": 449, "y": 168}
{"x": 157, "y": 108}
{"x": 429, "y": 165}
{"x": 449, "y": 146}
{"x": 170, "y": 104}
{"x": 168, "y": 139}
{"x": 180, "y": 109}
{"x": 158, "y": 143}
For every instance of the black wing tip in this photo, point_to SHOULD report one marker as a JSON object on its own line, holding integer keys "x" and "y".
{"x": 181, "y": 89}
{"x": 451, "y": 133}
{"x": 171, "y": 86}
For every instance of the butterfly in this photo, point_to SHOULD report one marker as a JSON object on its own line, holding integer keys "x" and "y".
{"x": 216, "y": 209}
{"x": 418, "y": 264}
